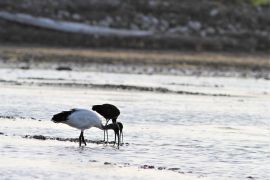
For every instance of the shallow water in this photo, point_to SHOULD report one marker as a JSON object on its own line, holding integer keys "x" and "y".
{"x": 211, "y": 137}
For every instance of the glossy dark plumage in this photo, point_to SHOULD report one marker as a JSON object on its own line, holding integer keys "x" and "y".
{"x": 62, "y": 116}
{"x": 108, "y": 111}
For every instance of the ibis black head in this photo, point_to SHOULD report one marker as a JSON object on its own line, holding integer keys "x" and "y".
{"x": 120, "y": 125}
{"x": 116, "y": 129}
{"x": 113, "y": 126}
{"x": 62, "y": 116}
{"x": 95, "y": 107}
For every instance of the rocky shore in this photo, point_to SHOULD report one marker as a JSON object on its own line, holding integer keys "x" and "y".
{"x": 234, "y": 26}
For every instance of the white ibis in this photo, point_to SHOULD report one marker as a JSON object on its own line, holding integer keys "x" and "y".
{"x": 83, "y": 119}
{"x": 108, "y": 111}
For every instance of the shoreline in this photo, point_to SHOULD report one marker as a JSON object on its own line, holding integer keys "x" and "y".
{"x": 175, "y": 131}
{"x": 136, "y": 61}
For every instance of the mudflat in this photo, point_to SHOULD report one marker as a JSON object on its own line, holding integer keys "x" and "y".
{"x": 137, "y": 61}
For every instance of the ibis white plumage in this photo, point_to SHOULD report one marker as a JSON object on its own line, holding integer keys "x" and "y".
{"x": 83, "y": 119}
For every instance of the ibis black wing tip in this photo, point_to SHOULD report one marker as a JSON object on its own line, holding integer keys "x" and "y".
{"x": 62, "y": 116}
{"x": 56, "y": 118}
{"x": 94, "y": 107}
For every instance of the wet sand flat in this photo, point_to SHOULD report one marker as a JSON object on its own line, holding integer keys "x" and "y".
{"x": 138, "y": 62}
{"x": 167, "y": 135}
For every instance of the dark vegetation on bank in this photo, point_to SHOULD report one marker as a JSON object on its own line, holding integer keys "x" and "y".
{"x": 207, "y": 25}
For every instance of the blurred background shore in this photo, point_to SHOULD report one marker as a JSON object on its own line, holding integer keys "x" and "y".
{"x": 187, "y": 25}
{"x": 206, "y": 38}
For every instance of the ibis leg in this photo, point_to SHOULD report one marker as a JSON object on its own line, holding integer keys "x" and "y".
{"x": 107, "y": 131}
{"x": 83, "y": 139}
{"x": 104, "y": 135}
{"x": 107, "y": 136}
{"x": 80, "y": 140}
{"x": 118, "y": 139}
{"x": 114, "y": 137}
{"x": 121, "y": 134}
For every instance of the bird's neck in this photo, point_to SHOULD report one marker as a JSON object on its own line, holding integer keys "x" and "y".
{"x": 106, "y": 127}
